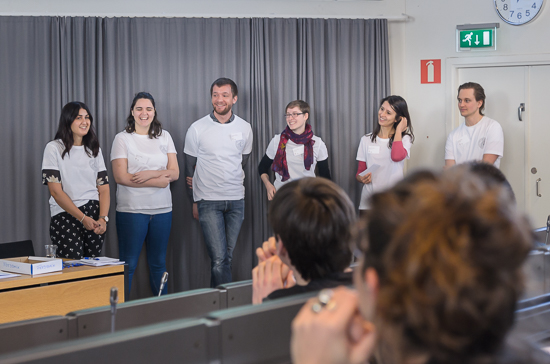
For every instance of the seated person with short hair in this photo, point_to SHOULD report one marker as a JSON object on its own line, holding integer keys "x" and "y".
{"x": 491, "y": 175}
{"x": 311, "y": 220}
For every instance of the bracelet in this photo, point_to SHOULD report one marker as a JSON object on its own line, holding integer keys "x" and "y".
{"x": 82, "y": 218}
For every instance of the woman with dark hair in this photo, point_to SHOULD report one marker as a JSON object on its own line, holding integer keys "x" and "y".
{"x": 384, "y": 150}
{"x": 295, "y": 152}
{"x": 438, "y": 279}
{"x": 144, "y": 163}
{"x": 74, "y": 171}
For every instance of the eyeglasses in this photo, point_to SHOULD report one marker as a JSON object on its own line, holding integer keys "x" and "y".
{"x": 294, "y": 115}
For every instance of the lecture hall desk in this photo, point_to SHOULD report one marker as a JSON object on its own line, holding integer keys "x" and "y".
{"x": 58, "y": 293}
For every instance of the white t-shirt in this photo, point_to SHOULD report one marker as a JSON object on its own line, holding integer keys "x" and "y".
{"x": 143, "y": 154}
{"x": 295, "y": 158}
{"x": 470, "y": 143}
{"x": 389, "y": 171}
{"x": 219, "y": 148}
{"x": 79, "y": 174}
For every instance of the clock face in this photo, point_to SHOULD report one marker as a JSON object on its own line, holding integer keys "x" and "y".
{"x": 518, "y": 12}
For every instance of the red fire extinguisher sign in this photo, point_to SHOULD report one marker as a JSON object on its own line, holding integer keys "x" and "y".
{"x": 430, "y": 71}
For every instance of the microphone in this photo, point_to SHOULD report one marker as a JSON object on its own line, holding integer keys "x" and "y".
{"x": 114, "y": 301}
{"x": 165, "y": 279}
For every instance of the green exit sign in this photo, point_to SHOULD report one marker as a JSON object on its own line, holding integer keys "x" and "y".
{"x": 478, "y": 38}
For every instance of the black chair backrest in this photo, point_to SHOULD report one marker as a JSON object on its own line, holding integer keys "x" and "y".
{"x": 21, "y": 248}
{"x": 180, "y": 341}
{"x": 236, "y": 294}
{"x": 259, "y": 333}
{"x": 31, "y": 333}
{"x": 147, "y": 311}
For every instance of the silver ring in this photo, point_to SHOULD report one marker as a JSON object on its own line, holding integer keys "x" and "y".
{"x": 324, "y": 300}
{"x": 324, "y": 296}
{"x": 316, "y": 307}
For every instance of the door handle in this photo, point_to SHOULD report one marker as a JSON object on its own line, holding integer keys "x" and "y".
{"x": 521, "y": 108}
{"x": 537, "y": 188}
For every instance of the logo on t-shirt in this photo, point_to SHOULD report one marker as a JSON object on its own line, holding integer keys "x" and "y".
{"x": 240, "y": 144}
{"x": 140, "y": 159}
{"x": 481, "y": 142}
{"x": 93, "y": 165}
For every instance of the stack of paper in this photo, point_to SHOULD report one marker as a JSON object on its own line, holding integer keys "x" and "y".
{"x": 101, "y": 261}
{"x": 7, "y": 275}
{"x": 371, "y": 169}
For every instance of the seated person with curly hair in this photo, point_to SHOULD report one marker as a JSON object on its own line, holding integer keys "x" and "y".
{"x": 438, "y": 282}
{"x": 311, "y": 219}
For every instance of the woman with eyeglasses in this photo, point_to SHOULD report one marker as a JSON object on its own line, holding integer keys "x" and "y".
{"x": 295, "y": 152}
{"x": 383, "y": 152}
{"x": 74, "y": 171}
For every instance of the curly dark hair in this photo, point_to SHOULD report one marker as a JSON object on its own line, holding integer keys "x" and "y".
{"x": 448, "y": 251}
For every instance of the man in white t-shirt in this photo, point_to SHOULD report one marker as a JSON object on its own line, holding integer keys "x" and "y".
{"x": 216, "y": 148}
{"x": 479, "y": 138}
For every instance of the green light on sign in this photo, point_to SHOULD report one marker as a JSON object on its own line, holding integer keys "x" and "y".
{"x": 478, "y": 38}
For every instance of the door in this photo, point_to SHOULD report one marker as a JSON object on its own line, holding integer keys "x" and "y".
{"x": 538, "y": 148}
{"x": 505, "y": 89}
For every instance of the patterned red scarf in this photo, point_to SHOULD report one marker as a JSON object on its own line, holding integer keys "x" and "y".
{"x": 279, "y": 163}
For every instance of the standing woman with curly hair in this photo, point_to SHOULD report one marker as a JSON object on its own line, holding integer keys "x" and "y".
{"x": 144, "y": 163}
{"x": 74, "y": 171}
{"x": 385, "y": 149}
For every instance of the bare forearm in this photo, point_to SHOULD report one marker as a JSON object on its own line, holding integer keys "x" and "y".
{"x": 104, "y": 200}
{"x": 65, "y": 202}
{"x": 172, "y": 168}
{"x": 265, "y": 179}
{"x": 148, "y": 178}
{"x": 449, "y": 163}
{"x": 172, "y": 174}
{"x": 125, "y": 179}
{"x": 490, "y": 158}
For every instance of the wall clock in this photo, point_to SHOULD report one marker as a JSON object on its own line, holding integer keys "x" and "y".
{"x": 518, "y": 12}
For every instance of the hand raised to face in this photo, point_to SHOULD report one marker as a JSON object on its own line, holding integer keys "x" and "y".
{"x": 402, "y": 126}
{"x": 335, "y": 329}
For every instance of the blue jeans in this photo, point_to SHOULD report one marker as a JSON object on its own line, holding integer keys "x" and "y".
{"x": 221, "y": 223}
{"x": 133, "y": 229}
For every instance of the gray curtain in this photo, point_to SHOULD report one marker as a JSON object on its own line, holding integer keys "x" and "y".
{"x": 339, "y": 66}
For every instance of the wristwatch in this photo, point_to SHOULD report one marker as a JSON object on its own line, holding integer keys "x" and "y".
{"x": 106, "y": 218}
